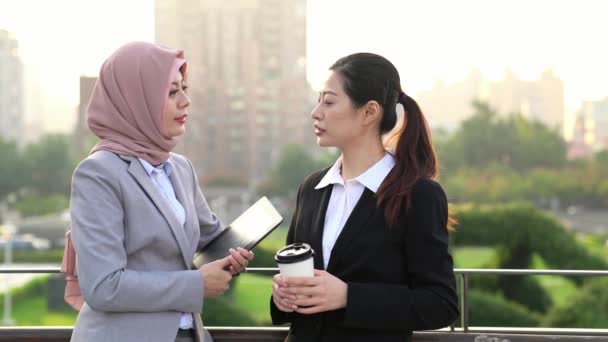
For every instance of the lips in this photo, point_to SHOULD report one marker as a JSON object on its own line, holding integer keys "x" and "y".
{"x": 181, "y": 119}
{"x": 318, "y": 130}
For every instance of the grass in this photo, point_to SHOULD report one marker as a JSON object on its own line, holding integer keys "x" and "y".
{"x": 275, "y": 240}
{"x": 252, "y": 294}
{"x": 472, "y": 257}
{"x": 50, "y": 256}
{"x": 33, "y": 311}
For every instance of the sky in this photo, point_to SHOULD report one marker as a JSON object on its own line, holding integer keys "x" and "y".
{"x": 427, "y": 40}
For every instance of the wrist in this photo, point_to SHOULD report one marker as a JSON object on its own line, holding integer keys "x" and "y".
{"x": 344, "y": 297}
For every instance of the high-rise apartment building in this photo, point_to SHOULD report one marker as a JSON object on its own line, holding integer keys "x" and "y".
{"x": 12, "y": 116}
{"x": 595, "y": 115}
{"x": 247, "y": 77}
{"x": 82, "y": 135}
{"x": 541, "y": 100}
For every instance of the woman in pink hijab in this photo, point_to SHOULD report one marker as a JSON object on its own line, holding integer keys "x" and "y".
{"x": 138, "y": 214}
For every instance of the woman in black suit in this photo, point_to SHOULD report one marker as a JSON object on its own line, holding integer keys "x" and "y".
{"x": 376, "y": 219}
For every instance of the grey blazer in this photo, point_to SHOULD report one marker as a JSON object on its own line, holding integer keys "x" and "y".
{"x": 133, "y": 256}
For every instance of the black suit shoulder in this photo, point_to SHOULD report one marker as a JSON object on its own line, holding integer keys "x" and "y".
{"x": 426, "y": 189}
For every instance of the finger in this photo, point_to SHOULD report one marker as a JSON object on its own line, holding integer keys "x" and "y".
{"x": 284, "y": 300}
{"x": 282, "y": 306}
{"x": 245, "y": 253}
{"x": 277, "y": 290}
{"x": 239, "y": 258}
{"x": 302, "y": 281}
{"x": 308, "y": 301}
{"x": 309, "y": 310}
{"x": 302, "y": 290}
{"x": 277, "y": 279}
{"x": 223, "y": 263}
{"x": 237, "y": 265}
{"x": 233, "y": 271}
{"x": 319, "y": 273}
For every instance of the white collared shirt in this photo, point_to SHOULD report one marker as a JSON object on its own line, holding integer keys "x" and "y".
{"x": 345, "y": 195}
{"x": 160, "y": 178}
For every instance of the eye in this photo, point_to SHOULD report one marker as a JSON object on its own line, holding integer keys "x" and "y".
{"x": 173, "y": 92}
{"x": 185, "y": 88}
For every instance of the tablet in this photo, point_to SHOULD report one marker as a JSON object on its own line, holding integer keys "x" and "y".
{"x": 249, "y": 229}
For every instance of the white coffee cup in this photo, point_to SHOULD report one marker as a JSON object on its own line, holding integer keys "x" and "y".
{"x": 296, "y": 260}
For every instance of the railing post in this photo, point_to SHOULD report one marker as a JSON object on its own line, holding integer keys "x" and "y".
{"x": 464, "y": 306}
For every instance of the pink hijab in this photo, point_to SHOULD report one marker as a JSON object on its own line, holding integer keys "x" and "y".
{"x": 127, "y": 106}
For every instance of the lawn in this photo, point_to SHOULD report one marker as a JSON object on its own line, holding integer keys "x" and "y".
{"x": 252, "y": 294}
{"x": 472, "y": 257}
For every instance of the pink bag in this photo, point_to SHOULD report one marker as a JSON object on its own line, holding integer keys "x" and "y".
{"x": 72, "y": 293}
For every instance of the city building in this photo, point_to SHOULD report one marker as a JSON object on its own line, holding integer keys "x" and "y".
{"x": 247, "y": 78}
{"x": 12, "y": 122}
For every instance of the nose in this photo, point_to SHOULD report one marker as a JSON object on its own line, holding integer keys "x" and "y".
{"x": 316, "y": 113}
{"x": 185, "y": 100}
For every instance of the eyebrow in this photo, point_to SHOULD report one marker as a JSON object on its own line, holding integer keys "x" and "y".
{"x": 177, "y": 84}
{"x": 328, "y": 92}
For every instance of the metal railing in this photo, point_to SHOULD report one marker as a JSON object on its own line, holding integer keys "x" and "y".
{"x": 463, "y": 274}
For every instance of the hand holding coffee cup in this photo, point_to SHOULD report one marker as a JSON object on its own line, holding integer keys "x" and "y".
{"x": 296, "y": 260}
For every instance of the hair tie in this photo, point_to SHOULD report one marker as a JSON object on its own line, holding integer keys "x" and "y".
{"x": 402, "y": 98}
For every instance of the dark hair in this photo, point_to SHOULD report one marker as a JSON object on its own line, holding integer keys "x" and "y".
{"x": 367, "y": 77}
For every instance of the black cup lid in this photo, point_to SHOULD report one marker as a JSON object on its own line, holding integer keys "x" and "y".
{"x": 294, "y": 253}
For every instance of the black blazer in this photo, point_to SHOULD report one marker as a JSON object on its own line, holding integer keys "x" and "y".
{"x": 399, "y": 279}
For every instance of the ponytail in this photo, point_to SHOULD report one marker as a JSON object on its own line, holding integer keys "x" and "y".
{"x": 415, "y": 158}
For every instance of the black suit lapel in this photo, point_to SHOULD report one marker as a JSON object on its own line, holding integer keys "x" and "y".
{"x": 321, "y": 198}
{"x": 356, "y": 222}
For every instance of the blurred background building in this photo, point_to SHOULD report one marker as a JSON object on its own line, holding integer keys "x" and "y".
{"x": 11, "y": 89}
{"x": 247, "y": 77}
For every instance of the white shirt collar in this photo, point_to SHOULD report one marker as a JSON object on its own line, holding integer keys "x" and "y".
{"x": 167, "y": 167}
{"x": 371, "y": 178}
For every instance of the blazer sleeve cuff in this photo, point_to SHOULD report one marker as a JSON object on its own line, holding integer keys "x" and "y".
{"x": 278, "y": 317}
{"x": 196, "y": 296}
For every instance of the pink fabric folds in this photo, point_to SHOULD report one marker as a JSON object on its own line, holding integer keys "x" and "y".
{"x": 72, "y": 293}
{"x": 127, "y": 105}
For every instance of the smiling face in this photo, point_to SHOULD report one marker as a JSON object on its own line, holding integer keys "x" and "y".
{"x": 336, "y": 120}
{"x": 176, "y": 107}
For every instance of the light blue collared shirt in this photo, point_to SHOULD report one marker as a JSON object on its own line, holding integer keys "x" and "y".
{"x": 160, "y": 177}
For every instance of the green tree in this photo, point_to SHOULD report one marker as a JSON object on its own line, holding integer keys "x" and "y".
{"x": 295, "y": 164}
{"x": 535, "y": 145}
{"x": 588, "y": 308}
{"x": 601, "y": 157}
{"x": 49, "y": 165}
{"x": 12, "y": 175}
{"x": 487, "y": 138}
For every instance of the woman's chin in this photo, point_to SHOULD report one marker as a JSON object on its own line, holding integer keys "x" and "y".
{"x": 323, "y": 142}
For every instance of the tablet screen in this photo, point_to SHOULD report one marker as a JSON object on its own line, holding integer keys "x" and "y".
{"x": 246, "y": 231}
